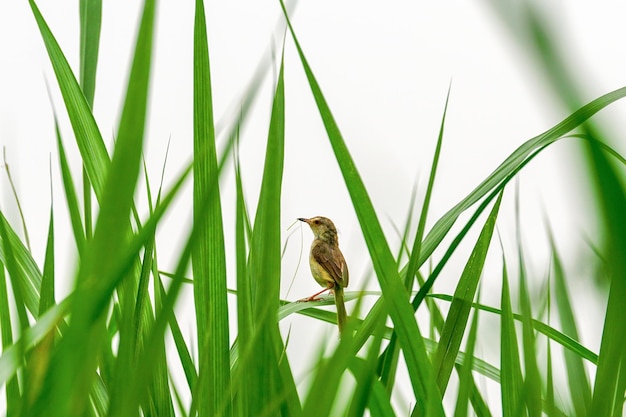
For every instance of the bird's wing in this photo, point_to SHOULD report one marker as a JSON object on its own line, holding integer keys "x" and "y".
{"x": 331, "y": 259}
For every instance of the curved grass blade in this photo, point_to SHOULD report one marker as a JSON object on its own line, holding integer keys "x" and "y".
{"x": 443, "y": 225}
{"x": 86, "y": 131}
{"x": 396, "y": 303}
{"x": 27, "y": 267}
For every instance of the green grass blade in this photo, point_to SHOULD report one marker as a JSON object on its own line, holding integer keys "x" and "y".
{"x": 209, "y": 258}
{"x": 25, "y": 263}
{"x": 465, "y": 374}
{"x": 458, "y": 315}
{"x": 88, "y": 137}
{"x": 532, "y": 382}
{"x": 511, "y": 383}
{"x": 443, "y": 225}
{"x": 244, "y": 292}
{"x": 266, "y": 378}
{"x": 550, "y": 332}
{"x": 607, "y": 390}
{"x": 70, "y": 377}
{"x": 46, "y": 293}
{"x": 90, "y": 22}
{"x": 418, "y": 364}
{"x": 378, "y": 403}
{"x": 19, "y": 282}
{"x": 12, "y": 389}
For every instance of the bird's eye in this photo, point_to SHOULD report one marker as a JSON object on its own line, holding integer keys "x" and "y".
{"x": 316, "y": 221}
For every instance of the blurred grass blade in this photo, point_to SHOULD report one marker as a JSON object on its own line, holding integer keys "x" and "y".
{"x": 208, "y": 258}
{"x": 86, "y": 131}
{"x": 244, "y": 292}
{"x": 510, "y": 370}
{"x": 395, "y": 295}
{"x": 12, "y": 388}
{"x": 458, "y": 315}
{"x": 90, "y": 22}
{"x": 378, "y": 401}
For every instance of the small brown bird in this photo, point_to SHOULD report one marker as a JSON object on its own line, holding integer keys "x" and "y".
{"x": 328, "y": 265}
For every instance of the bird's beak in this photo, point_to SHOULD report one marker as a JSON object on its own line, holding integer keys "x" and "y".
{"x": 302, "y": 219}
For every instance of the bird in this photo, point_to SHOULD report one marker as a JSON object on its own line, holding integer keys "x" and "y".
{"x": 327, "y": 263}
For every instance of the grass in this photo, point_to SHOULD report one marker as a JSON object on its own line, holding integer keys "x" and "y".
{"x": 103, "y": 349}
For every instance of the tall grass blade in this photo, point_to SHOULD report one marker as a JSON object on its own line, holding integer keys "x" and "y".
{"x": 71, "y": 374}
{"x": 458, "y": 315}
{"x": 265, "y": 376}
{"x": 578, "y": 380}
{"x": 12, "y": 388}
{"x": 88, "y": 137}
{"x": 511, "y": 382}
{"x": 465, "y": 375}
{"x": 395, "y": 295}
{"x": 208, "y": 258}
{"x": 244, "y": 293}
{"x": 90, "y": 24}
{"x": 46, "y": 293}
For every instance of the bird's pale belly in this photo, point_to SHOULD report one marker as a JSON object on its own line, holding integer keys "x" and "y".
{"x": 320, "y": 274}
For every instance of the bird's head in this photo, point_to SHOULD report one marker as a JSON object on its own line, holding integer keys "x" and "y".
{"x": 322, "y": 227}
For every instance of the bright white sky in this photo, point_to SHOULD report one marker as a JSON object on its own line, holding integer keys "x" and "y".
{"x": 385, "y": 70}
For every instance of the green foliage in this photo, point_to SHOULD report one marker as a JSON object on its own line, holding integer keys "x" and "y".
{"x": 103, "y": 350}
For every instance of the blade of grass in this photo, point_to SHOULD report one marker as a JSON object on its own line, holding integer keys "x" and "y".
{"x": 90, "y": 24}
{"x": 510, "y": 164}
{"x": 465, "y": 375}
{"x": 12, "y": 389}
{"x": 532, "y": 382}
{"x": 458, "y": 315}
{"x": 510, "y": 371}
{"x": 418, "y": 364}
{"x": 70, "y": 377}
{"x": 28, "y": 269}
{"x": 46, "y": 293}
{"x": 209, "y": 258}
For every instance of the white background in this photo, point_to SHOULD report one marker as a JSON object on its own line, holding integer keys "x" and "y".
{"x": 384, "y": 69}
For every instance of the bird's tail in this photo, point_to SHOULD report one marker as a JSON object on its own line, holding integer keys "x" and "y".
{"x": 341, "y": 308}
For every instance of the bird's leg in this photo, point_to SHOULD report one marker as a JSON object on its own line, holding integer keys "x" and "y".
{"x": 315, "y": 297}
